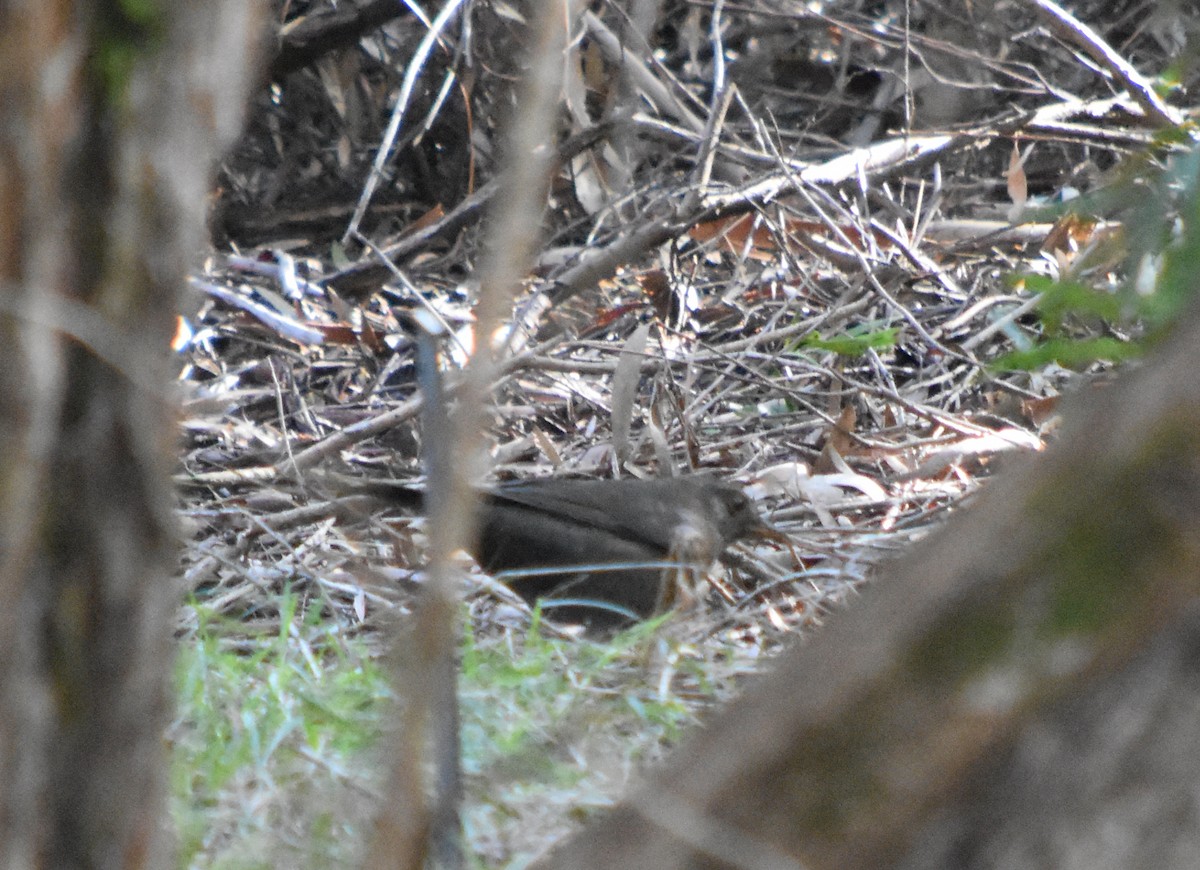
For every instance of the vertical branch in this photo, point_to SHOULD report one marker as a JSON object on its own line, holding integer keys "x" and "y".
{"x": 409, "y": 831}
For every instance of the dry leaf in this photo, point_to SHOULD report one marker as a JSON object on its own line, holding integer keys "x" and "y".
{"x": 841, "y": 434}
{"x": 590, "y": 190}
{"x": 1040, "y": 411}
{"x": 741, "y": 235}
{"x": 781, "y": 479}
{"x": 546, "y": 444}
{"x": 793, "y": 480}
{"x": 953, "y": 455}
{"x": 1018, "y": 184}
{"x": 657, "y": 286}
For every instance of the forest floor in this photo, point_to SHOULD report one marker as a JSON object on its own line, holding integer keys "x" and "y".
{"x": 833, "y": 248}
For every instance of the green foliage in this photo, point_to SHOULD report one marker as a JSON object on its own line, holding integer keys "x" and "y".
{"x": 853, "y": 343}
{"x": 1073, "y": 353}
{"x": 127, "y": 30}
{"x": 1061, "y": 299}
{"x": 1157, "y": 199}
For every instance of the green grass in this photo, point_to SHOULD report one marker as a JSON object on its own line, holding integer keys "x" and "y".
{"x": 267, "y": 746}
{"x": 275, "y": 743}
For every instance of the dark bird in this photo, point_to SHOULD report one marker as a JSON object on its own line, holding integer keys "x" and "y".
{"x": 602, "y": 552}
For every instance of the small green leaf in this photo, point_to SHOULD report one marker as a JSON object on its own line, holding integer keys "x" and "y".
{"x": 1069, "y": 353}
{"x": 852, "y": 344}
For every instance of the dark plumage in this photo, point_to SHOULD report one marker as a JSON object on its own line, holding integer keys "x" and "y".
{"x": 600, "y": 533}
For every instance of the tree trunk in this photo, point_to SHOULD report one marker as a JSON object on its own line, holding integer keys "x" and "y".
{"x": 1103, "y": 780}
{"x": 110, "y": 117}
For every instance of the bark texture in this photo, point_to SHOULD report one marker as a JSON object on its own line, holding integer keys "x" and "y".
{"x": 111, "y": 115}
{"x": 1104, "y": 780}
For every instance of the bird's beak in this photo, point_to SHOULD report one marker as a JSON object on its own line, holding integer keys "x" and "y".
{"x": 767, "y": 532}
{"x": 764, "y": 531}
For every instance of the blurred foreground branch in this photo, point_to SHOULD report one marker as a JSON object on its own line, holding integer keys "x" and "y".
{"x": 110, "y": 120}
{"x": 414, "y": 829}
{"x": 887, "y": 732}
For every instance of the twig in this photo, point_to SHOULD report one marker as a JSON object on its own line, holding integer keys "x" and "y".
{"x": 1075, "y": 32}
{"x": 406, "y": 90}
{"x": 327, "y": 30}
{"x": 654, "y": 90}
{"x": 285, "y": 326}
{"x": 409, "y": 827}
